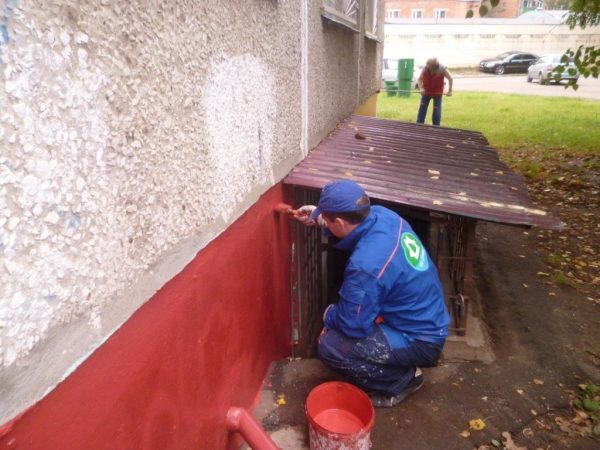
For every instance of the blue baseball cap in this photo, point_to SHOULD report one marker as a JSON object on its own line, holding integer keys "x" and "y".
{"x": 340, "y": 196}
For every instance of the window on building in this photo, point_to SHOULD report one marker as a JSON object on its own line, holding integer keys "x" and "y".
{"x": 416, "y": 13}
{"x": 371, "y": 19}
{"x": 533, "y": 4}
{"x": 393, "y": 13}
{"x": 440, "y": 13}
{"x": 341, "y": 12}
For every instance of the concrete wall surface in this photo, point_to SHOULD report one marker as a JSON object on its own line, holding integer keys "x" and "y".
{"x": 466, "y": 42}
{"x": 132, "y": 134}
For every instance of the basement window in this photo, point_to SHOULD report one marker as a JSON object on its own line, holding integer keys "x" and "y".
{"x": 341, "y": 12}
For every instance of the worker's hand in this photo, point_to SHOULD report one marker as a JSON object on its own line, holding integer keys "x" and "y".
{"x": 422, "y": 91}
{"x": 449, "y": 93}
{"x": 303, "y": 215}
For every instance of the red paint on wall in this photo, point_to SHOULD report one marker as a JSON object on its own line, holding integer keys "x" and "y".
{"x": 203, "y": 343}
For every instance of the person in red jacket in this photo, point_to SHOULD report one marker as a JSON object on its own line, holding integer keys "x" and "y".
{"x": 431, "y": 83}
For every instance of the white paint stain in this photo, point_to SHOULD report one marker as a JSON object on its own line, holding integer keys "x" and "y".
{"x": 240, "y": 108}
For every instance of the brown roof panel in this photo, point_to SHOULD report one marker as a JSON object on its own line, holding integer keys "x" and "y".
{"x": 431, "y": 168}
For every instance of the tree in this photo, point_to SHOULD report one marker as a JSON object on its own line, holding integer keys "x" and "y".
{"x": 584, "y": 13}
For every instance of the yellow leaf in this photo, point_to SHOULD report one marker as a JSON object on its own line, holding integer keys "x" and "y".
{"x": 348, "y": 174}
{"x": 281, "y": 400}
{"x": 366, "y": 161}
{"x": 538, "y": 381}
{"x": 476, "y": 424}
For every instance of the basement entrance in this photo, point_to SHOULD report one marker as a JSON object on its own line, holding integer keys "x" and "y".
{"x": 441, "y": 180}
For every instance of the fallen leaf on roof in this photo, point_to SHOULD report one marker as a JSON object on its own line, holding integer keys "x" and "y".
{"x": 435, "y": 177}
{"x": 476, "y": 424}
{"x": 366, "y": 161}
{"x": 433, "y": 172}
{"x": 281, "y": 399}
{"x": 499, "y": 172}
{"x": 538, "y": 381}
{"x": 313, "y": 169}
{"x": 348, "y": 173}
{"x": 525, "y": 285}
{"x": 474, "y": 174}
{"x": 520, "y": 391}
{"x": 450, "y": 146}
{"x": 543, "y": 274}
{"x": 360, "y": 136}
{"x": 465, "y": 434}
{"x": 371, "y": 149}
{"x": 437, "y": 202}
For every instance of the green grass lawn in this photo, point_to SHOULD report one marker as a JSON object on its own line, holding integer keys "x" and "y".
{"x": 544, "y": 125}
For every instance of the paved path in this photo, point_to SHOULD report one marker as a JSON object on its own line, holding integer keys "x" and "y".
{"x": 517, "y": 84}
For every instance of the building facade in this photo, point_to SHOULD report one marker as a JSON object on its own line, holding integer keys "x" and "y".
{"x": 145, "y": 277}
{"x": 455, "y": 9}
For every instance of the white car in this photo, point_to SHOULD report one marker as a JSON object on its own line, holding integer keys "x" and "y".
{"x": 543, "y": 70}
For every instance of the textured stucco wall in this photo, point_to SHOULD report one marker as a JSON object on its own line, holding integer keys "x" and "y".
{"x": 131, "y": 134}
{"x": 345, "y": 70}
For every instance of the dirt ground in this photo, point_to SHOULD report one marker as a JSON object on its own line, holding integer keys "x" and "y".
{"x": 540, "y": 298}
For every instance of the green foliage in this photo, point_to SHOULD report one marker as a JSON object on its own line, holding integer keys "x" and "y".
{"x": 483, "y": 10}
{"x": 560, "y": 279}
{"x": 494, "y": 3}
{"x": 469, "y": 14}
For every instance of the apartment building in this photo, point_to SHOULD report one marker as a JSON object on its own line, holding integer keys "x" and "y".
{"x": 455, "y": 9}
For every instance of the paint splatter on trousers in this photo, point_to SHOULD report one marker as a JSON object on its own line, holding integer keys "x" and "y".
{"x": 370, "y": 362}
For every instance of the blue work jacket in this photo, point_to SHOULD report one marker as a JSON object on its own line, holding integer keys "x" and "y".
{"x": 391, "y": 278}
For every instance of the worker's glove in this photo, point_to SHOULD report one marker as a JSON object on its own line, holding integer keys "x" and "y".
{"x": 303, "y": 215}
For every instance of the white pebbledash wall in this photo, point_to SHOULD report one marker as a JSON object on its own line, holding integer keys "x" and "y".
{"x": 131, "y": 134}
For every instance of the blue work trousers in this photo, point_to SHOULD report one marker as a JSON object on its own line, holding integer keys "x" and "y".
{"x": 370, "y": 362}
{"x": 436, "y": 116}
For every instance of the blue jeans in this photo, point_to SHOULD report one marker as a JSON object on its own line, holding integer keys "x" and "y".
{"x": 436, "y": 116}
{"x": 370, "y": 362}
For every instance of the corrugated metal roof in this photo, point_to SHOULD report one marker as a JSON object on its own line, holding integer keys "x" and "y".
{"x": 430, "y": 168}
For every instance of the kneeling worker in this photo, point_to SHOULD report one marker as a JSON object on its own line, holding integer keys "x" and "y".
{"x": 391, "y": 317}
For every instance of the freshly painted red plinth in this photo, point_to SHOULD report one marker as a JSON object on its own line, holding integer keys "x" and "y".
{"x": 203, "y": 343}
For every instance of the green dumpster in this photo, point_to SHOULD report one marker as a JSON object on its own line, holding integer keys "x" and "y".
{"x": 404, "y": 87}
{"x": 390, "y": 88}
{"x": 405, "y": 69}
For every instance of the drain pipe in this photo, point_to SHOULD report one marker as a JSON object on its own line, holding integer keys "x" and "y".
{"x": 240, "y": 421}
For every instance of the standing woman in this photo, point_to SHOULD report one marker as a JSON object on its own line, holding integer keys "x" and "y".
{"x": 431, "y": 83}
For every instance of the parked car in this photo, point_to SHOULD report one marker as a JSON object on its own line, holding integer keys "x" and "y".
{"x": 543, "y": 69}
{"x": 508, "y": 62}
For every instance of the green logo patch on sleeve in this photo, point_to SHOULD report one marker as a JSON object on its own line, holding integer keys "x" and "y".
{"x": 414, "y": 252}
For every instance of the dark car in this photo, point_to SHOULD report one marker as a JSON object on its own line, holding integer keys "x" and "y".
{"x": 508, "y": 62}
